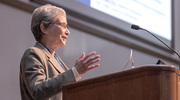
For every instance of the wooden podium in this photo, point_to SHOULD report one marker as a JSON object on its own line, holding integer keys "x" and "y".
{"x": 151, "y": 82}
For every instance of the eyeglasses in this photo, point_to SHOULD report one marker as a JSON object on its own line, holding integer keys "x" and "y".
{"x": 63, "y": 25}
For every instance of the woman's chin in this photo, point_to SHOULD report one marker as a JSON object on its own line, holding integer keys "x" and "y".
{"x": 63, "y": 44}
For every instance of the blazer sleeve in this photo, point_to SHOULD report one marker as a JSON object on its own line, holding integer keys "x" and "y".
{"x": 34, "y": 75}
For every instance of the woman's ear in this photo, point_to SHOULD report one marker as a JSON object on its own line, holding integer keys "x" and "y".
{"x": 43, "y": 29}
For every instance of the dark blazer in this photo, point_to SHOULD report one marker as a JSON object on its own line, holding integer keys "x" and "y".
{"x": 41, "y": 76}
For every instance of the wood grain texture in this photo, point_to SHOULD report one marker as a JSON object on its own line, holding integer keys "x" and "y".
{"x": 142, "y": 83}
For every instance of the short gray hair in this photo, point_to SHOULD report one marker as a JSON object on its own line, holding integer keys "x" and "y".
{"x": 45, "y": 14}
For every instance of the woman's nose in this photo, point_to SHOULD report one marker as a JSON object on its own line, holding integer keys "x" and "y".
{"x": 67, "y": 31}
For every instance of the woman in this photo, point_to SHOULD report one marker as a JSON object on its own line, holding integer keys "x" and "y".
{"x": 42, "y": 72}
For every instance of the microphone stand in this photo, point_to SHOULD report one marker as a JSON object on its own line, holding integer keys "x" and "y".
{"x": 137, "y": 28}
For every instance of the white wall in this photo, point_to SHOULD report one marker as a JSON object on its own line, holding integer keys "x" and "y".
{"x": 16, "y": 37}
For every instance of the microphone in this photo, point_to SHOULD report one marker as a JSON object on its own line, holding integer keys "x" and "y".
{"x": 136, "y": 27}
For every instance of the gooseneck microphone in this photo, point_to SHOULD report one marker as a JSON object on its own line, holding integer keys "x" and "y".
{"x": 136, "y": 27}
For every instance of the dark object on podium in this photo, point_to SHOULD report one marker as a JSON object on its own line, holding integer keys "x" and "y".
{"x": 156, "y": 82}
{"x": 160, "y": 62}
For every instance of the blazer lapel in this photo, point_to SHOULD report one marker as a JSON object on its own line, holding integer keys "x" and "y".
{"x": 66, "y": 68}
{"x": 56, "y": 64}
{"x": 51, "y": 58}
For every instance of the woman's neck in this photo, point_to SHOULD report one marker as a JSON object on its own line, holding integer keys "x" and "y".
{"x": 50, "y": 46}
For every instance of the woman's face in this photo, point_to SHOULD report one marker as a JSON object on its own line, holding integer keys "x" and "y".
{"x": 58, "y": 32}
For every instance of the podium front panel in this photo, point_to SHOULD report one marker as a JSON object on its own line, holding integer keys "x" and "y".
{"x": 142, "y": 83}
